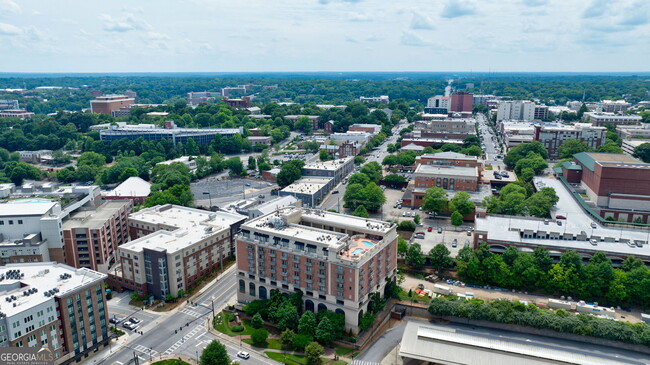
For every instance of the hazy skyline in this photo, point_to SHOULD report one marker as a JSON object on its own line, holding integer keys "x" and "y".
{"x": 324, "y": 35}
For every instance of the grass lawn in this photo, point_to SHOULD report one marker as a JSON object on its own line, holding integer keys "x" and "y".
{"x": 340, "y": 362}
{"x": 291, "y": 358}
{"x": 271, "y": 343}
{"x": 404, "y": 295}
{"x": 170, "y": 362}
{"x": 342, "y": 351}
{"x": 224, "y": 327}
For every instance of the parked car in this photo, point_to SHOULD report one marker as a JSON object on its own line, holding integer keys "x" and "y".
{"x": 243, "y": 355}
{"x": 129, "y": 325}
{"x": 593, "y": 225}
{"x": 116, "y": 320}
{"x": 261, "y": 196}
{"x": 404, "y": 214}
{"x": 335, "y": 192}
{"x": 134, "y": 320}
{"x": 420, "y": 233}
{"x": 247, "y": 184}
{"x": 593, "y": 242}
{"x": 439, "y": 229}
{"x": 559, "y": 216}
{"x": 469, "y": 232}
{"x": 429, "y": 229}
{"x": 454, "y": 243}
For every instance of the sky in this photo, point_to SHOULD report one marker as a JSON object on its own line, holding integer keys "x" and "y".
{"x": 324, "y": 35}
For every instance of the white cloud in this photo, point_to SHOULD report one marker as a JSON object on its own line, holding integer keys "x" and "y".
{"x": 535, "y": 3}
{"x": 457, "y": 8}
{"x": 596, "y": 9}
{"x": 411, "y": 39}
{"x": 128, "y": 23}
{"x": 421, "y": 21}
{"x": 155, "y": 36}
{"x": 8, "y": 6}
{"x": 9, "y": 30}
{"x": 358, "y": 17}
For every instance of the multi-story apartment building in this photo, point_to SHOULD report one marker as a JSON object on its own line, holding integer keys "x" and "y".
{"x": 634, "y": 131}
{"x": 461, "y": 102}
{"x": 515, "y": 133}
{"x": 171, "y": 217}
{"x": 615, "y": 106}
{"x": 172, "y": 248}
{"x": 53, "y": 306}
{"x": 334, "y": 169}
{"x": 438, "y": 105}
{"x": 383, "y": 99}
{"x": 553, "y": 135}
{"x": 336, "y": 260}
{"x": 106, "y": 104}
{"x": 521, "y": 110}
{"x": 310, "y": 190}
{"x": 171, "y": 132}
{"x": 601, "y": 119}
{"x": 15, "y": 113}
{"x": 91, "y": 237}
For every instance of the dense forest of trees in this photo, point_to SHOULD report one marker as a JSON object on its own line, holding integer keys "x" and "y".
{"x": 320, "y": 88}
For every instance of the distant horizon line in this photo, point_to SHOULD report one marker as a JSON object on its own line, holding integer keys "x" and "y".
{"x": 638, "y": 73}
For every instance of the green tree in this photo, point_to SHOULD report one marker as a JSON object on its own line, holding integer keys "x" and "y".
{"x": 303, "y": 124}
{"x": 301, "y": 341}
{"x": 251, "y": 163}
{"x": 191, "y": 147}
{"x": 571, "y": 259}
{"x": 323, "y": 155}
{"x": 439, "y": 257}
{"x": 259, "y": 336}
{"x": 235, "y": 166}
{"x": 307, "y": 324}
{"x": 325, "y": 331}
{"x": 91, "y": 159}
{"x": 434, "y": 200}
{"x": 570, "y": 147}
{"x": 402, "y": 246}
{"x": 461, "y": 203}
{"x": 286, "y": 337}
{"x": 290, "y": 172}
{"x": 630, "y": 263}
{"x": 359, "y": 178}
{"x": 313, "y": 352}
{"x": 527, "y": 174}
{"x": 360, "y": 212}
{"x": 287, "y": 315}
{"x": 456, "y": 218}
{"x": 642, "y": 152}
{"x": 414, "y": 256}
{"x": 257, "y": 321}
{"x": 215, "y": 354}
{"x": 522, "y": 151}
{"x": 394, "y": 180}
{"x": 373, "y": 170}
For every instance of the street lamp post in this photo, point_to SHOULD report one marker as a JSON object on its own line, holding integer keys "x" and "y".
{"x": 209, "y": 197}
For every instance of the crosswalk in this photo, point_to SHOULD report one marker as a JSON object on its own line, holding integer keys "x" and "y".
{"x": 190, "y": 312}
{"x": 187, "y": 336}
{"x": 361, "y": 362}
{"x": 145, "y": 350}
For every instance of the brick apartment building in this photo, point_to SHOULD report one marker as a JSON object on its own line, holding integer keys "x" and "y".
{"x": 53, "y": 306}
{"x": 173, "y": 247}
{"x": 452, "y": 159}
{"x": 461, "y": 102}
{"x": 553, "y": 135}
{"x": 336, "y": 260}
{"x": 92, "y": 237}
{"x": 108, "y": 103}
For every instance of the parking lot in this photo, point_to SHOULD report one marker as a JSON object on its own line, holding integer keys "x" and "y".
{"x": 119, "y": 310}
{"x": 228, "y": 190}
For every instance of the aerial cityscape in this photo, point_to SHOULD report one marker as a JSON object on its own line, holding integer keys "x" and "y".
{"x": 328, "y": 182}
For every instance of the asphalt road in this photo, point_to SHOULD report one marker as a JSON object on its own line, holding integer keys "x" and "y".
{"x": 491, "y": 142}
{"x": 159, "y": 336}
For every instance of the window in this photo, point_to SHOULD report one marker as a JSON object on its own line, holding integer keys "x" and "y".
{"x": 20, "y": 221}
{"x": 11, "y": 222}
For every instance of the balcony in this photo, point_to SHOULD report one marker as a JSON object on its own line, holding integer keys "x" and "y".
{"x": 296, "y": 259}
{"x": 285, "y": 274}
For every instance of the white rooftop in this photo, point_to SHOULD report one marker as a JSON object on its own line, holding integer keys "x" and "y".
{"x": 449, "y": 155}
{"x": 184, "y": 217}
{"x": 133, "y": 186}
{"x": 22, "y": 207}
{"x": 42, "y": 276}
{"x": 309, "y": 185}
{"x": 275, "y": 204}
{"x": 172, "y": 241}
{"x": 328, "y": 165}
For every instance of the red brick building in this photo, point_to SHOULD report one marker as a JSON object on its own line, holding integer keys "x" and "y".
{"x": 461, "y": 102}
{"x": 108, "y": 103}
{"x": 446, "y": 177}
{"x": 452, "y": 159}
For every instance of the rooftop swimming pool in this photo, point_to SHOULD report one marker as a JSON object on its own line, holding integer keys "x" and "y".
{"x": 367, "y": 243}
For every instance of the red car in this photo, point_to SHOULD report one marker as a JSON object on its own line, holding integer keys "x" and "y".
{"x": 560, "y": 217}
{"x": 429, "y": 229}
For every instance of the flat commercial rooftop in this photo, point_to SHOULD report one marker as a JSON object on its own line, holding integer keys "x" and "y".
{"x": 446, "y": 171}
{"x": 330, "y": 165}
{"x": 31, "y": 206}
{"x": 307, "y": 185}
{"x": 43, "y": 276}
{"x": 95, "y": 219}
{"x": 445, "y": 345}
{"x": 184, "y": 217}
